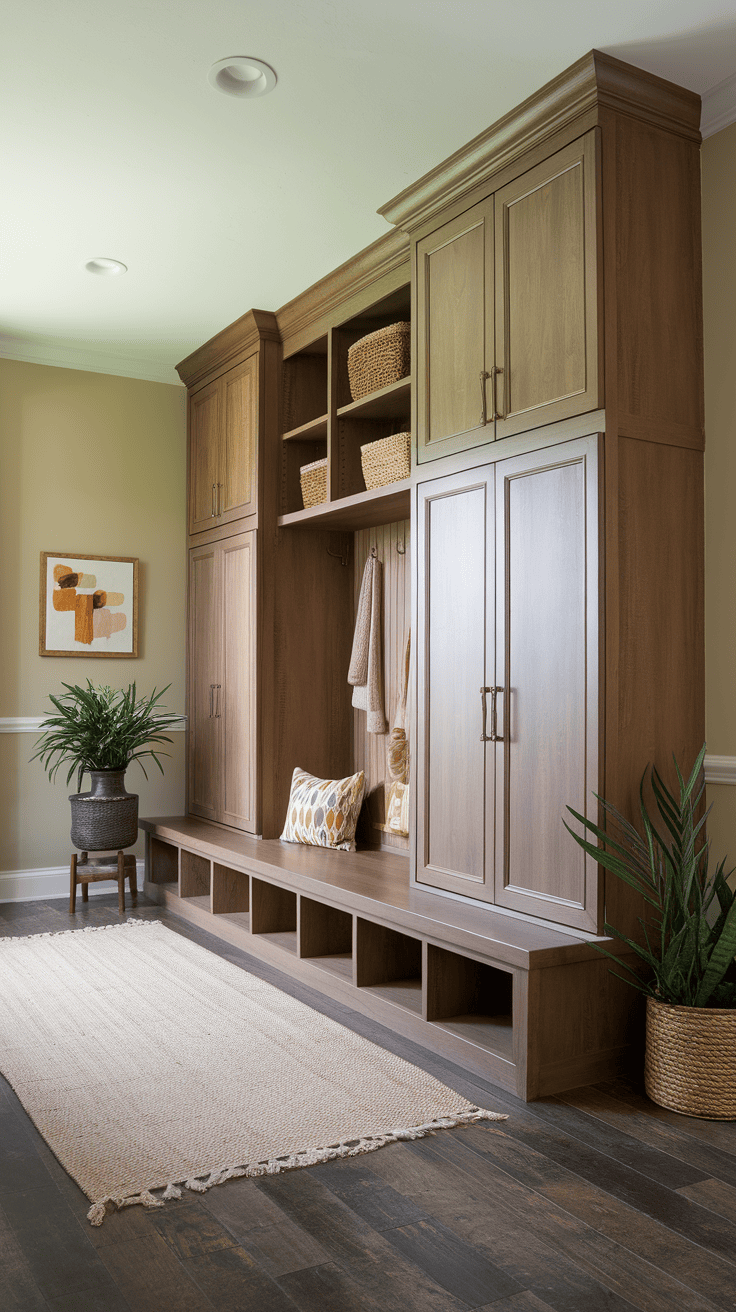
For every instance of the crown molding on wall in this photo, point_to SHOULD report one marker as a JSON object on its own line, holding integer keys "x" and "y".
{"x": 51, "y": 881}
{"x": 74, "y": 355}
{"x": 32, "y": 724}
{"x": 719, "y": 107}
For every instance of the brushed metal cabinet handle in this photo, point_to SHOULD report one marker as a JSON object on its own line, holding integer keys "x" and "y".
{"x": 483, "y": 404}
{"x": 213, "y": 507}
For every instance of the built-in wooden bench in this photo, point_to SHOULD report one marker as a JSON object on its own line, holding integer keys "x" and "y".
{"x": 532, "y": 1008}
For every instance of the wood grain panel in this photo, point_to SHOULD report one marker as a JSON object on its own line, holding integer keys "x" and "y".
{"x": 230, "y": 890}
{"x": 239, "y": 475}
{"x": 547, "y": 644}
{"x": 304, "y": 386}
{"x": 205, "y": 422}
{"x": 546, "y": 290}
{"x": 454, "y": 302}
{"x": 656, "y": 606}
{"x": 204, "y": 673}
{"x": 659, "y": 339}
{"x": 237, "y": 702}
{"x": 455, "y": 660}
{"x": 369, "y": 750}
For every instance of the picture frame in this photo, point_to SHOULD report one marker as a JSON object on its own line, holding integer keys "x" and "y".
{"x": 88, "y": 605}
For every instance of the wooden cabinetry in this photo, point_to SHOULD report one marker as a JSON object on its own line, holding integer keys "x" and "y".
{"x": 222, "y": 681}
{"x": 507, "y": 307}
{"x": 223, "y": 446}
{"x": 508, "y": 680}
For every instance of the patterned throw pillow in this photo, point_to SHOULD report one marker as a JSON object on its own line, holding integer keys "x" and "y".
{"x": 324, "y": 812}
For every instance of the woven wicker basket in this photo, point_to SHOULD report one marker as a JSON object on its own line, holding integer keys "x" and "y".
{"x": 690, "y": 1063}
{"x": 387, "y": 460}
{"x": 381, "y": 358}
{"x": 313, "y": 479}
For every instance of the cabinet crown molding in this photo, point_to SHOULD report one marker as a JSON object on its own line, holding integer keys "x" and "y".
{"x": 354, "y": 278}
{"x": 595, "y": 82}
{"x": 229, "y": 347}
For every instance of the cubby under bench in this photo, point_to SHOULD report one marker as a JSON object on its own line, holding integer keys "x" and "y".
{"x": 528, "y": 1007}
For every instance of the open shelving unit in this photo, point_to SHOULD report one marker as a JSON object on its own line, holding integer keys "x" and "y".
{"x": 321, "y": 420}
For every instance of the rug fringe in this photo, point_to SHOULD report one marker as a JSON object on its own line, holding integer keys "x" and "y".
{"x": 350, "y": 1148}
{"x": 84, "y": 929}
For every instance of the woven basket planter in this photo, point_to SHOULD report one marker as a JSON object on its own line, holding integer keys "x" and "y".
{"x": 313, "y": 479}
{"x": 381, "y": 358}
{"x": 690, "y": 1063}
{"x": 387, "y": 460}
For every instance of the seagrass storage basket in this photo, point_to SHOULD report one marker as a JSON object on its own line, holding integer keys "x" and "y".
{"x": 381, "y": 358}
{"x": 690, "y": 1063}
{"x": 387, "y": 460}
{"x": 313, "y": 479}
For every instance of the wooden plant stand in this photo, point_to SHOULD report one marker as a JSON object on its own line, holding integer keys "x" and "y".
{"x": 84, "y": 872}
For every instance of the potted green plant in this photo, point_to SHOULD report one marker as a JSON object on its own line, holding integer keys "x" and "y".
{"x": 686, "y": 951}
{"x": 101, "y": 730}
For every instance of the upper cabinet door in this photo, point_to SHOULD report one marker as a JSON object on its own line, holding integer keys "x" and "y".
{"x": 205, "y": 420}
{"x": 454, "y": 333}
{"x": 547, "y": 565}
{"x": 238, "y": 475}
{"x": 546, "y": 253}
{"x": 455, "y": 662}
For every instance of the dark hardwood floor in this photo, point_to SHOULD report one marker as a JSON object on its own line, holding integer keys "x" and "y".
{"x": 594, "y": 1200}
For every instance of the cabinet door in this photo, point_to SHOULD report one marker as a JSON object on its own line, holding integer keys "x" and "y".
{"x": 237, "y": 704}
{"x": 203, "y": 749}
{"x": 205, "y": 419}
{"x": 547, "y": 663}
{"x": 454, "y": 333}
{"x": 455, "y": 767}
{"x": 546, "y": 291}
{"x": 238, "y": 474}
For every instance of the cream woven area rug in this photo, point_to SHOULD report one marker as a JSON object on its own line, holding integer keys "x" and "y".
{"x": 147, "y": 1063}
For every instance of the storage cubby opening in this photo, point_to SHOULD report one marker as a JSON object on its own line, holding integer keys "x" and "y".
{"x": 195, "y": 877}
{"x": 352, "y": 434}
{"x": 273, "y": 914}
{"x": 231, "y": 895}
{"x": 394, "y": 308}
{"x": 471, "y": 999}
{"x": 164, "y": 862}
{"x": 304, "y": 386}
{"x": 389, "y": 964}
{"x": 297, "y": 452}
{"x": 326, "y": 937}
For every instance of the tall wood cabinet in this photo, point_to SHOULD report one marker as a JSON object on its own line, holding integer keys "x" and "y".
{"x": 507, "y": 673}
{"x": 222, "y": 762}
{"x": 546, "y": 551}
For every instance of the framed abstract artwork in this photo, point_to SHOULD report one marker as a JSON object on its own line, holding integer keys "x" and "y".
{"x": 88, "y": 605}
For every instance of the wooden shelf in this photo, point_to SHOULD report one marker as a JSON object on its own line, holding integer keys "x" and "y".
{"x": 383, "y": 505}
{"x": 309, "y": 432}
{"x": 383, "y": 404}
{"x": 494, "y": 1033}
{"x": 339, "y": 963}
{"x": 401, "y": 993}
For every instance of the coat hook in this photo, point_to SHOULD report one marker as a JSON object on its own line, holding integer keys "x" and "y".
{"x": 342, "y": 556}
{"x": 374, "y": 551}
{"x": 401, "y": 546}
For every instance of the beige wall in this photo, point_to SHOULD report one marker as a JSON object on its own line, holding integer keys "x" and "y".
{"x": 719, "y": 306}
{"x": 95, "y": 464}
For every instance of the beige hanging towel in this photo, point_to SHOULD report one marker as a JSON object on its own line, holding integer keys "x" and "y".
{"x": 366, "y": 662}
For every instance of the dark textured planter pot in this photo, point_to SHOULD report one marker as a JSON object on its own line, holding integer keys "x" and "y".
{"x": 105, "y": 818}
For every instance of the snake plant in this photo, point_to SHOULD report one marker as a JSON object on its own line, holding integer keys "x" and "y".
{"x": 102, "y": 729}
{"x": 688, "y": 942}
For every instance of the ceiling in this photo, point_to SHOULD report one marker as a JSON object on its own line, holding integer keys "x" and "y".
{"x": 114, "y": 144}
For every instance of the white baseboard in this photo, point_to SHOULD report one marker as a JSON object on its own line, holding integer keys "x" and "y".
{"x": 34, "y": 885}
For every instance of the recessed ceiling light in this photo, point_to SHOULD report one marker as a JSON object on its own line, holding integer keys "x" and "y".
{"x": 105, "y": 267}
{"x": 242, "y": 75}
